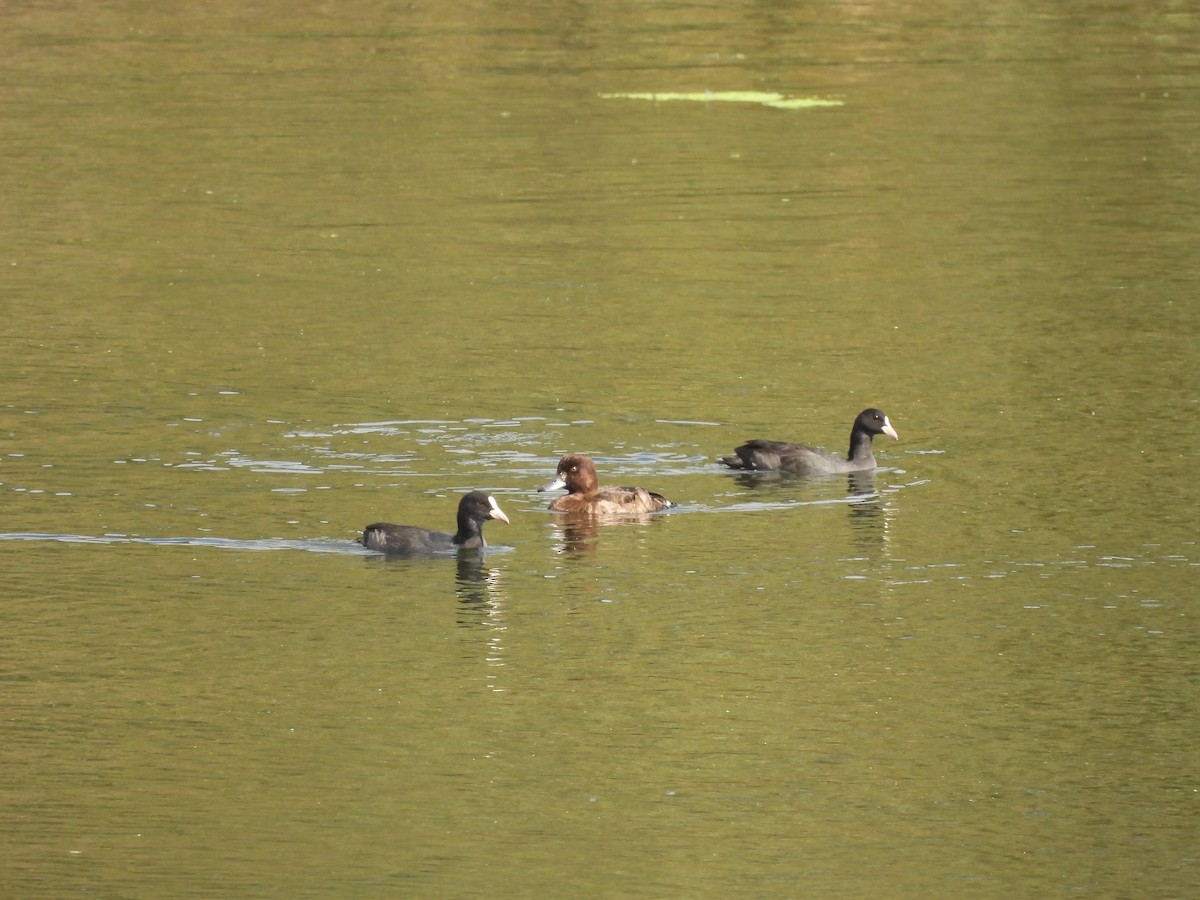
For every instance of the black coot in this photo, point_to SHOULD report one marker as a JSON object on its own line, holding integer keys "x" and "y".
{"x": 474, "y": 509}
{"x": 802, "y": 459}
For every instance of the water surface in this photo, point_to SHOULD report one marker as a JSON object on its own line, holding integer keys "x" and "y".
{"x": 274, "y": 273}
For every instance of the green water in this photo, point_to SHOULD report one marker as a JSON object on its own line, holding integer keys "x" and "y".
{"x": 273, "y": 273}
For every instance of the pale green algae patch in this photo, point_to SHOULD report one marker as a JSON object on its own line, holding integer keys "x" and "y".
{"x": 778, "y": 101}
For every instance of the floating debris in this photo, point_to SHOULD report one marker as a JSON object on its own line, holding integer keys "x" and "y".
{"x": 777, "y": 101}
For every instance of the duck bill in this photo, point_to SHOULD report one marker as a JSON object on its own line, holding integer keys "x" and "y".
{"x": 889, "y": 430}
{"x": 556, "y": 485}
{"x": 497, "y": 512}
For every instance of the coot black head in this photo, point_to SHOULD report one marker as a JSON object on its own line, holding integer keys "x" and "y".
{"x": 873, "y": 421}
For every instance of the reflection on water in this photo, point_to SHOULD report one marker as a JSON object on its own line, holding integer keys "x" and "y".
{"x": 481, "y": 605}
{"x": 475, "y": 587}
{"x": 577, "y": 534}
{"x": 868, "y": 505}
{"x": 870, "y": 514}
{"x": 476, "y": 582}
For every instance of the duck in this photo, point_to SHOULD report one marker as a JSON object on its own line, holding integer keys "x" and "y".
{"x": 474, "y": 509}
{"x": 802, "y": 459}
{"x": 577, "y": 473}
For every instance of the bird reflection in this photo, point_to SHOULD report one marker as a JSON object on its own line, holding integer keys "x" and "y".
{"x": 580, "y": 532}
{"x": 861, "y": 483}
{"x": 475, "y": 582}
{"x": 481, "y": 613}
{"x": 868, "y": 512}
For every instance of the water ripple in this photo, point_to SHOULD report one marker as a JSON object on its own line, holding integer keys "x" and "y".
{"x": 312, "y": 546}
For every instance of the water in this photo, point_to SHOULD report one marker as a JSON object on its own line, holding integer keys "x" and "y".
{"x": 272, "y": 274}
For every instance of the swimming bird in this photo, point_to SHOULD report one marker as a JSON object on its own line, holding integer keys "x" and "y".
{"x": 802, "y": 459}
{"x": 474, "y": 509}
{"x": 577, "y": 473}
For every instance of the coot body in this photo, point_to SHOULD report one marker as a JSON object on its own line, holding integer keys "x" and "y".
{"x": 474, "y": 509}
{"x": 804, "y": 459}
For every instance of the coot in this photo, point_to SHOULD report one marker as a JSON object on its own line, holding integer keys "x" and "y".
{"x": 803, "y": 459}
{"x": 474, "y": 509}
